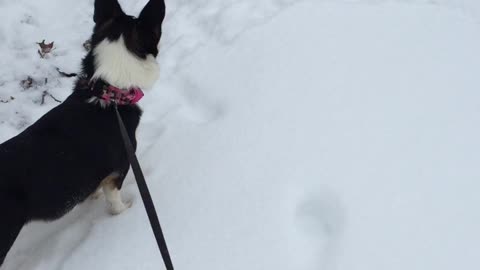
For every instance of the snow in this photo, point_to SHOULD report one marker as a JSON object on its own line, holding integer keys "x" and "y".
{"x": 300, "y": 135}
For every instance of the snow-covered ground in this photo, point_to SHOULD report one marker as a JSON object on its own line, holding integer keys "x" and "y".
{"x": 283, "y": 134}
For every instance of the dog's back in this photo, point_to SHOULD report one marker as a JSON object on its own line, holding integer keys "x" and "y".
{"x": 64, "y": 155}
{"x": 58, "y": 162}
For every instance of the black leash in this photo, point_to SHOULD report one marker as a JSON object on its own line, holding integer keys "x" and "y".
{"x": 146, "y": 197}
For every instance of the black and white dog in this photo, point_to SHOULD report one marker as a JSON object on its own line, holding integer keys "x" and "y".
{"x": 76, "y": 148}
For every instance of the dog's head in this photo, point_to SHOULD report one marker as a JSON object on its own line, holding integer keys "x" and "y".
{"x": 124, "y": 48}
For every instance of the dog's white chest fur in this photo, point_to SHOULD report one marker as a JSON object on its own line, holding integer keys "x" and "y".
{"x": 116, "y": 65}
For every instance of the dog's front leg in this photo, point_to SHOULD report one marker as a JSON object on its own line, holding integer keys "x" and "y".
{"x": 113, "y": 196}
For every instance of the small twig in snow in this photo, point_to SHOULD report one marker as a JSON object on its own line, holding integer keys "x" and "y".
{"x": 45, "y": 94}
{"x": 69, "y": 75}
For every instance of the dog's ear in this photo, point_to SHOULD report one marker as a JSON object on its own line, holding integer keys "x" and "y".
{"x": 106, "y": 10}
{"x": 152, "y": 17}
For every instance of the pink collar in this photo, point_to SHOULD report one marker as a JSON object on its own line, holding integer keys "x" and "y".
{"x": 120, "y": 96}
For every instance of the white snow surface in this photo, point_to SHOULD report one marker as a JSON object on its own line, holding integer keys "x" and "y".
{"x": 283, "y": 134}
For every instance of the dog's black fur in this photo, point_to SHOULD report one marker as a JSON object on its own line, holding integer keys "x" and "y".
{"x": 62, "y": 158}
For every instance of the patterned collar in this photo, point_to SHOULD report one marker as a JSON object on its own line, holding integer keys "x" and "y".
{"x": 121, "y": 97}
{"x": 106, "y": 94}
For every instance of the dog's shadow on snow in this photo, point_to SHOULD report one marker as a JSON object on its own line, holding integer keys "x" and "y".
{"x": 47, "y": 245}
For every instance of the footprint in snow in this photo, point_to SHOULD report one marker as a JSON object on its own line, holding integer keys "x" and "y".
{"x": 197, "y": 107}
{"x": 319, "y": 221}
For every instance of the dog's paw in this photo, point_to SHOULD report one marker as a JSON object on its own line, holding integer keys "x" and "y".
{"x": 117, "y": 209}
